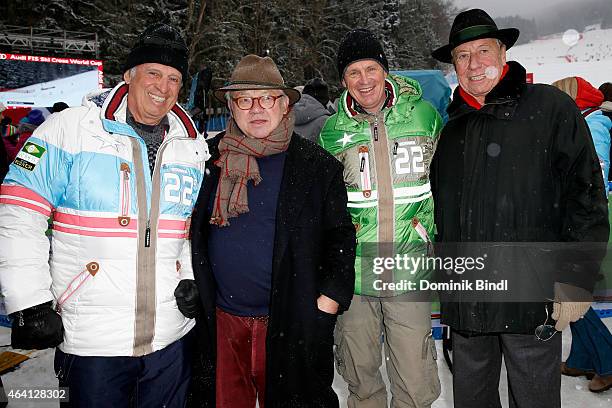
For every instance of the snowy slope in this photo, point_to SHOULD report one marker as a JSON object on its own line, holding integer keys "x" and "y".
{"x": 587, "y": 54}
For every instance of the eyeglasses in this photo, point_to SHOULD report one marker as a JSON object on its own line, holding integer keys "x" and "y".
{"x": 265, "y": 101}
{"x": 545, "y": 332}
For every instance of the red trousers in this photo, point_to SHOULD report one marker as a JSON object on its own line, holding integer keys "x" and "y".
{"x": 241, "y": 360}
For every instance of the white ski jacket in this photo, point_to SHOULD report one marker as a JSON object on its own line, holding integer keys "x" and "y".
{"x": 119, "y": 242}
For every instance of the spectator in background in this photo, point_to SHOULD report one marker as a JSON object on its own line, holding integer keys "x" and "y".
{"x": 29, "y": 123}
{"x": 15, "y": 138}
{"x": 606, "y": 90}
{"x": 310, "y": 116}
{"x": 59, "y": 106}
{"x": 10, "y": 138}
{"x": 588, "y": 98}
{"x": 318, "y": 89}
{"x": 606, "y": 106}
{"x": 4, "y": 161}
{"x": 591, "y": 352}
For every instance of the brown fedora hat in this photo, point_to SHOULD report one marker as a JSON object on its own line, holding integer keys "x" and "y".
{"x": 473, "y": 25}
{"x": 254, "y": 72}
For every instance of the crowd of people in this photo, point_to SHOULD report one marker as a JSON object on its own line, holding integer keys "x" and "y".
{"x": 236, "y": 270}
{"x": 14, "y": 136}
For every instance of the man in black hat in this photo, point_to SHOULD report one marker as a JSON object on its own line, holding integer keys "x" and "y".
{"x": 515, "y": 163}
{"x": 120, "y": 175}
{"x": 385, "y": 134}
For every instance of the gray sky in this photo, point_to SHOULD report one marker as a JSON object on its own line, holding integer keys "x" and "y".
{"x": 501, "y": 8}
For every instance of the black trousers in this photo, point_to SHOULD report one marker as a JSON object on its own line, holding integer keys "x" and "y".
{"x": 155, "y": 380}
{"x": 534, "y": 375}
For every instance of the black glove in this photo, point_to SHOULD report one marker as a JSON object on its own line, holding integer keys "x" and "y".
{"x": 37, "y": 327}
{"x": 188, "y": 298}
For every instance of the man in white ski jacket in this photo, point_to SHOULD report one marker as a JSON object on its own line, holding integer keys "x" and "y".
{"x": 119, "y": 177}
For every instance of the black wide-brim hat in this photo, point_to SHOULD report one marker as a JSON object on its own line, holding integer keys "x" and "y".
{"x": 471, "y": 25}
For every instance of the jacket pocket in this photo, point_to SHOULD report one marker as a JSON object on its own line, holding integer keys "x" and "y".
{"x": 325, "y": 326}
{"x": 429, "y": 356}
{"x": 62, "y": 364}
{"x": 343, "y": 357}
{"x": 78, "y": 285}
{"x": 324, "y": 340}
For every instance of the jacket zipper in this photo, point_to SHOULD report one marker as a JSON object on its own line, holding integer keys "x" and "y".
{"x": 364, "y": 171}
{"x": 158, "y": 157}
{"x": 384, "y": 187}
{"x": 376, "y": 129}
{"x": 148, "y": 233}
{"x": 124, "y": 204}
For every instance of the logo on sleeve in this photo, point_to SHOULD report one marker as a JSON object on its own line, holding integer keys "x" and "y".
{"x": 29, "y": 156}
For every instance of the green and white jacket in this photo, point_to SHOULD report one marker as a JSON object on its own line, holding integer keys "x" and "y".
{"x": 386, "y": 158}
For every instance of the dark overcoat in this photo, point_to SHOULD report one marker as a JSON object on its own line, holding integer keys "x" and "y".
{"x": 520, "y": 175}
{"x": 314, "y": 254}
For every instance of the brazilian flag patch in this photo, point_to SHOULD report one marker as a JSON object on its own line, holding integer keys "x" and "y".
{"x": 29, "y": 156}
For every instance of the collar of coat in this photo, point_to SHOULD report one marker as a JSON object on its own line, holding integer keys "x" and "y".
{"x": 114, "y": 109}
{"x": 507, "y": 92}
{"x": 403, "y": 90}
{"x": 352, "y": 108}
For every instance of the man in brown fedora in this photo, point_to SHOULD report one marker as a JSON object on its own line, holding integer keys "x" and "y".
{"x": 273, "y": 249}
{"x": 515, "y": 168}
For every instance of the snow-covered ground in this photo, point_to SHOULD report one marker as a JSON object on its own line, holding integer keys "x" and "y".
{"x": 574, "y": 391}
{"x": 38, "y": 372}
{"x": 587, "y": 54}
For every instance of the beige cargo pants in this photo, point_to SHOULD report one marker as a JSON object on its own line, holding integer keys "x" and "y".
{"x": 409, "y": 350}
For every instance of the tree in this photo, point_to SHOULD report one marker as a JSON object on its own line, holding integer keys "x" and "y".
{"x": 302, "y": 37}
{"x": 528, "y": 29}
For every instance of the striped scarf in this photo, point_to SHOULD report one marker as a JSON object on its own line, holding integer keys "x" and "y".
{"x": 238, "y": 165}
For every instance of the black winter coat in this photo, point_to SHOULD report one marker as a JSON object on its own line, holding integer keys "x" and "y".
{"x": 523, "y": 168}
{"x": 314, "y": 253}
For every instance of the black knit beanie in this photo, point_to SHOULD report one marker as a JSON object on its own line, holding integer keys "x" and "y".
{"x": 59, "y": 106}
{"x": 360, "y": 44}
{"x": 606, "y": 90}
{"x": 318, "y": 89}
{"x": 161, "y": 44}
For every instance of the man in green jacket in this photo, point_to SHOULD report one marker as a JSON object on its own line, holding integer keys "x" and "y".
{"x": 385, "y": 135}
